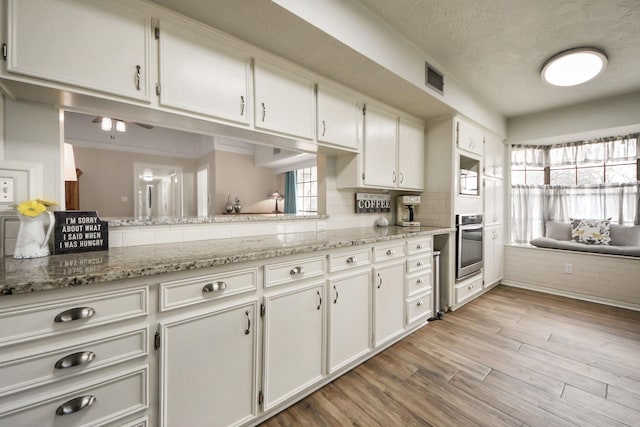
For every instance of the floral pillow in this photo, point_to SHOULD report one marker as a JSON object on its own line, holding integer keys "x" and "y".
{"x": 591, "y": 231}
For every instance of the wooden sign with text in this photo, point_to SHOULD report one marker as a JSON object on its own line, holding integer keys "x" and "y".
{"x": 372, "y": 202}
{"x": 79, "y": 231}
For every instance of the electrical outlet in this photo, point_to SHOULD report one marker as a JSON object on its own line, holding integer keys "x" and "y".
{"x": 7, "y": 190}
{"x": 568, "y": 268}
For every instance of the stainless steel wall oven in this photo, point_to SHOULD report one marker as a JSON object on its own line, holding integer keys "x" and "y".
{"x": 469, "y": 256}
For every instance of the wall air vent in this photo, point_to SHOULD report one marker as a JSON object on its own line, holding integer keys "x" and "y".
{"x": 434, "y": 78}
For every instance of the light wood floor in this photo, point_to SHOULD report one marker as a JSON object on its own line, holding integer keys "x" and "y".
{"x": 512, "y": 357}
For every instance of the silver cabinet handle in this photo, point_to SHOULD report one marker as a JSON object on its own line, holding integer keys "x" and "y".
{"x": 420, "y": 303}
{"x": 319, "y": 300}
{"x": 379, "y": 280}
{"x": 335, "y": 300}
{"x": 420, "y": 280}
{"x": 420, "y": 263}
{"x": 75, "y": 359}
{"x": 401, "y": 177}
{"x": 76, "y": 405}
{"x": 214, "y": 287}
{"x": 264, "y": 111}
{"x": 391, "y": 252}
{"x": 324, "y": 127}
{"x": 138, "y": 76}
{"x": 242, "y": 104}
{"x": 470, "y": 287}
{"x": 248, "y": 330}
{"x": 352, "y": 260}
{"x": 395, "y": 176}
{"x": 72, "y": 314}
{"x": 420, "y": 246}
{"x": 296, "y": 270}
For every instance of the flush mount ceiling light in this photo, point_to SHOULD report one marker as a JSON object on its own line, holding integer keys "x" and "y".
{"x": 574, "y": 66}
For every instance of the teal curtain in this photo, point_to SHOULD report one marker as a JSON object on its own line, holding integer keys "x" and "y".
{"x": 290, "y": 193}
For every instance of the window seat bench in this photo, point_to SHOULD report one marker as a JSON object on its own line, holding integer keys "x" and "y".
{"x": 549, "y": 243}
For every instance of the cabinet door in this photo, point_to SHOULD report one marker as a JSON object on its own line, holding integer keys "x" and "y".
{"x": 493, "y": 201}
{"x": 283, "y": 101}
{"x": 380, "y": 134}
{"x": 98, "y": 45}
{"x": 469, "y": 137}
{"x": 493, "y": 254}
{"x": 493, "y": 156}
{"x": 349, "y": 319}
{"x": 410, "y": 155}
{"x": 338, "y": 119}
{"x": 388, "y": 300}
{"x": 292, "y": 343}
{"x": 200, "y": 74}
{"x": 208, "y": 368}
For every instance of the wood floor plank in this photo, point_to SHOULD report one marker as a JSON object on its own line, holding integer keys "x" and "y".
{"x": 624, "y": 397}
{"x": 510, "y": 357}
{"x": 605, "y": 407}
{"x": 508, "y": 402}
{"x": 563, "y": 409}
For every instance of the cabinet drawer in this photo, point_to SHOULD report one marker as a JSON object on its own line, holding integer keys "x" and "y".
{"x": 102, "y": 401}
{"x": 419, "y": 307}
{"x": 346, "y": 260}
{"x": 31, "y": 321}
{"x": 181, "y": 293}
{"x": 22, "y": 373}
{"x": 387, "y": 252}
{"x": 467, "y": 289}
{"x": 287, "y": 272}
{"x": 416, "y": 246}
{"x": 418, "y": 283}
{"x": 419, "y": 262}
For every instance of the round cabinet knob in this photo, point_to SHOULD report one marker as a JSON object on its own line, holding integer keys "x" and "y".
{"x": 420, "y": 246}
{"x": 352, "y": 260}
{"x": 420, "y": 280}
{"x": 420, "y": 263}
{"x": 470, "y": 287}
{"x": 391, "y": 252}
{"x": 420, "y": 303}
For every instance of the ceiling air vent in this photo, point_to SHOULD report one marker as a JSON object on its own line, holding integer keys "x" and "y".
{"x": 434, "y": 78}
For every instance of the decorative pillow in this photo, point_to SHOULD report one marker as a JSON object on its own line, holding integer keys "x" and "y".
{"x": 625, "y": 235}
{"x": 591, "y": 231}
{"x": 557, "y": 230}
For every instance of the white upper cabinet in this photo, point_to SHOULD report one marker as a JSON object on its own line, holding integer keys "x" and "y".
{"x": 284, "y": 101}
{"x": 410, "y": 155}
{"x": 338, "y": 119}
{"x": 493, "y": 157}
{"x": 469, "y": 137}
{"x": 200, "y": 73}
{"x": 380, "y": 131}
{"x": 98, "y": 45}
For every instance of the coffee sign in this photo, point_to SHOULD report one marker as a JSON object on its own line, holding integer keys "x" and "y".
{"x": 371, "y": 202}
{"x": 79, "y": 231}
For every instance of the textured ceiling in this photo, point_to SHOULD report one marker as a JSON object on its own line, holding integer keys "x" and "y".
{"x": 496, "y": 47}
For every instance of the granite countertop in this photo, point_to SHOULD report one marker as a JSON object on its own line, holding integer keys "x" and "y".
{"x": 70, "y": 270}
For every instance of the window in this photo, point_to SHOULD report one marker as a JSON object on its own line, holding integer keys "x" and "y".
{"x": 587, "y": 179}
{"x": 307, "y": 190}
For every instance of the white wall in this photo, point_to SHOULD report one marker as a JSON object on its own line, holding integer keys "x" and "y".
{"x": 601, "y": 278}
{"x": 33, "y": 133}
{"x": 610, "y": 116}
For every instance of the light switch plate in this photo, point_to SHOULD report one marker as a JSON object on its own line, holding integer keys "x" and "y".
{"x": 7, "y": 190}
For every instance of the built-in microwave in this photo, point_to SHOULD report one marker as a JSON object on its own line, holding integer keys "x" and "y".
{"x": 469, "y": 256}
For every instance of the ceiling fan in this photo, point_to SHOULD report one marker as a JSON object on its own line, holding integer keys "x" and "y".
{"x": 108, "y": 123}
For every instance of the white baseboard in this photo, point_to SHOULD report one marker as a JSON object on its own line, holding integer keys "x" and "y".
{"x": 582, "y": 297}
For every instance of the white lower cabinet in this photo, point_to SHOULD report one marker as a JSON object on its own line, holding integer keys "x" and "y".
{"x": 493, "y": 254}
{"x": 293, "y": 342}
{"x": 349, "y": 318}
{"x": 208, "y": 368}
{"x": 388, "y": 302}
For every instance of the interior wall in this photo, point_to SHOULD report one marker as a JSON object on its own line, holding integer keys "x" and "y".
{"x": 33, "y": 133}
{"x": 604, "y": 117}
{"x": 107, "y": 181}
{"x": 236, "y": 174}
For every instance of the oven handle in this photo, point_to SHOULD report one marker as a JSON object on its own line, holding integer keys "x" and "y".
{"x": 471, "y": 227}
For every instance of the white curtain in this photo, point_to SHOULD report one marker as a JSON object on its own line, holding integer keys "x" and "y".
{"x": 532, "y": 205}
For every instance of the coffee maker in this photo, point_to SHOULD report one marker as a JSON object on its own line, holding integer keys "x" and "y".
{"x": 405, "y": 210}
